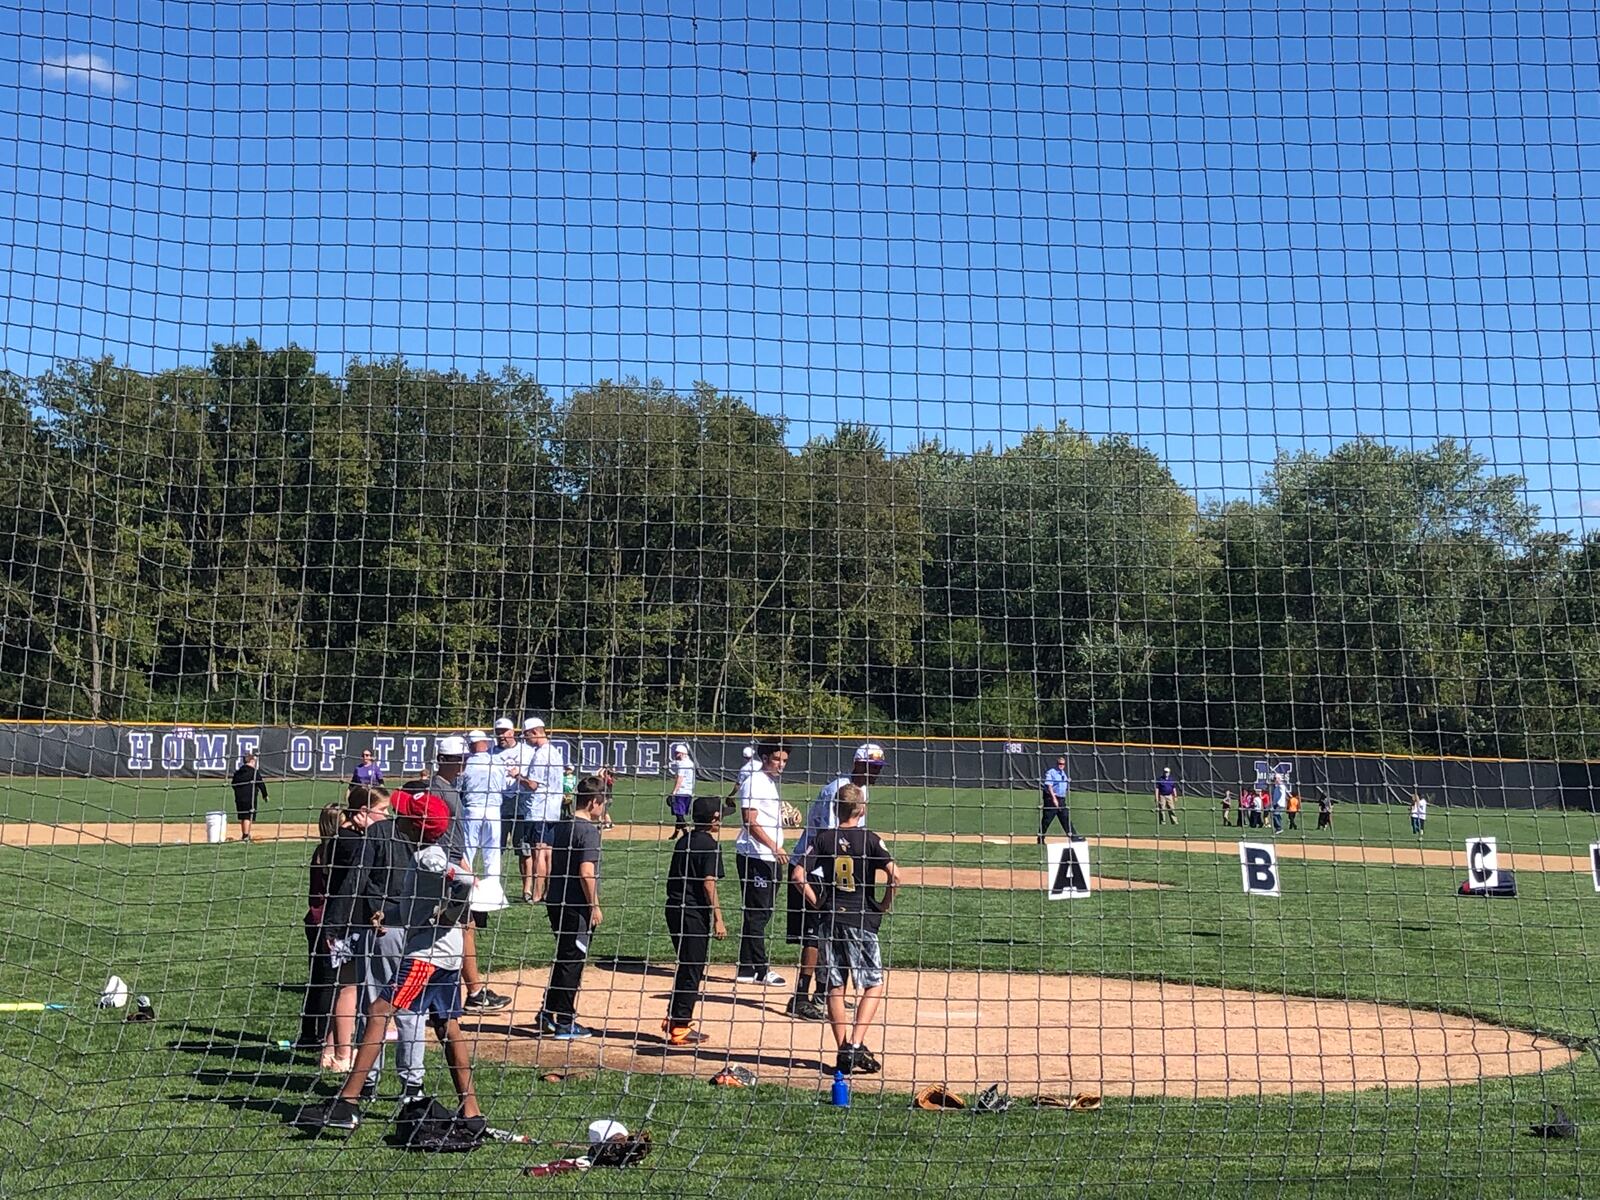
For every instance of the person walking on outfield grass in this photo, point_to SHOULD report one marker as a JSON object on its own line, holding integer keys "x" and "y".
{"x": 801, "y": 921}
{"x": 1166, "y": 797}
{"x": 1054, "y": 789}
{"x": 1324, "y": 811}
{"x": 681, "y": 797}
{"x": 760, "y": 858}
{"x": 1419, "y": 813}
{"x": 1294, "y": 810}
{"x": 248, "y": 785}
{"x": 429, "y": 980}
{"x": 450, "y": 760}
{"x": 694, "y": 915}
{"x": 837, "y": 875}
{"x": 1227, "y": 803}
{"x": 573, "y": 906}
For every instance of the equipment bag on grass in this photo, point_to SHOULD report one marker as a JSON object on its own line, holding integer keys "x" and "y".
{"x": 425, "y": 1124}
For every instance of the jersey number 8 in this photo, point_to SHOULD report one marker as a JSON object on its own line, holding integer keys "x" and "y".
{"x": 844, "y": 874}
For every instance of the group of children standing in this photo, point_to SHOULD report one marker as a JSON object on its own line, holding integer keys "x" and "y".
{"x": 396, "y": 898}
{"x": 1274, "y": 805}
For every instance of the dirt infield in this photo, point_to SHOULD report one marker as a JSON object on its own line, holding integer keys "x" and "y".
{"x": 153, "y": 833}
{"x": 1030, "y": 1032}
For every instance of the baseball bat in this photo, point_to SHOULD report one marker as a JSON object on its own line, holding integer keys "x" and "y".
{"x": 21, "y": 1006}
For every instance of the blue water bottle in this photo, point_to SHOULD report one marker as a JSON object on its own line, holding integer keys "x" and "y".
{"x": 841, "y": 1090}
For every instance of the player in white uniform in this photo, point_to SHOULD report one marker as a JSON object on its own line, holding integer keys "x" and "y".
{"x": 542, "y": 777}
{"x": 681, "y": 798}
{"x": 509, "y": 754}
{"x": 483, "y": 783}
{"x": 752, "y": 764}
{"x": 801, "y": 926}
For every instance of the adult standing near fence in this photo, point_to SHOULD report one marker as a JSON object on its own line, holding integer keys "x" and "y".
{"x": 1166, "y": 797}
{"x": 450, "y": 760}
{"x": 1054, "y": 790}
{"x": 367, "y": 772}
{"x": 483, "y": 785}
{"x": 542, "y": 775}
{"x": 760, "y": 858}
{"x": 248, "y": 786}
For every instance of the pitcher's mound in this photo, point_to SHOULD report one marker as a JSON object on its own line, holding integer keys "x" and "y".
{"x": 1029, "y": 1032}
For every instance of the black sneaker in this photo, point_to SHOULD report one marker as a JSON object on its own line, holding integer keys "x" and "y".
{"x": 473, "y": 1127}
{"x": 410, "y": 1092}
{"x": 484, "y": 1000}
{"x": 369, "y": 1090}
{"x": 803, "y": 1008}
{"x": 845, "y": 1064}
{"x": 866, "y": 1062}
{"x": 337, "y": 1113}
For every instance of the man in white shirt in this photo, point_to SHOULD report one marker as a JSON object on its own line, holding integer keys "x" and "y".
{"x": 761, "y": 860}
{"x": 511, "y": 756}
{"x": 483, "y": 782}
{"x": 752, "y": 764}
{"x": 681, "y": 797}
{"x": 542, "y": 777}
{"x": 802, "y": 928}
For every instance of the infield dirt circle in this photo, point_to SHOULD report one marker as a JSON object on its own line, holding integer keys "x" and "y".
{"x": 1028, "y": 1032}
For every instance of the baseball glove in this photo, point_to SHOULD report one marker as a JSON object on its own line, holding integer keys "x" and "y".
{"x": 793, "y": 818}
{"x": 992, "y": 1100}
{"x": 734, "y": 1077}
{"x": 1082, "y": 1102}
{"x": 936, "y": 1096}
{"x": 620, "y": 1151}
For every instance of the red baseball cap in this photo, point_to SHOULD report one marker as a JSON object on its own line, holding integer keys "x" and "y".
{"x": 427, "y": 809}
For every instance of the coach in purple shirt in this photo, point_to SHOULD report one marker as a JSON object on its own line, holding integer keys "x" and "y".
{"x": 368, "y": 772}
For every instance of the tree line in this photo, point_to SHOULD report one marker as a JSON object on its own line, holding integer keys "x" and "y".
{"x": 256, "y": 539}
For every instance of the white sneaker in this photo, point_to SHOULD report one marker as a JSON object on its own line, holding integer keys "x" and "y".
{"x": 773, "y": 979}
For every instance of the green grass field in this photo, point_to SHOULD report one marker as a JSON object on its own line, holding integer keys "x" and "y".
{"x": 993, "y": 812}
{"x": 196, "y": 1105}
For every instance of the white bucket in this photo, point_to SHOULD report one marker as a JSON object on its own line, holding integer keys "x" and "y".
{"x": 216, "y": 827}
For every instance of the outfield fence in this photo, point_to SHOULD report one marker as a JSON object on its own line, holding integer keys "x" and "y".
{"x": 144, "y": 751}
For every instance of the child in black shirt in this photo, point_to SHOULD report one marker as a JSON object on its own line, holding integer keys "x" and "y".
{"x": 694, "y": 915}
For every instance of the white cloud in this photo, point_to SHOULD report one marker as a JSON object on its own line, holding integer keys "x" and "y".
{"x": 84, "y": 70}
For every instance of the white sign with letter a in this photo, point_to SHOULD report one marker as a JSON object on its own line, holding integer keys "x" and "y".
{"x": 1258, "y": 864}
{"x": 1066, "y": 866}
{"x": 1483, "y": 863}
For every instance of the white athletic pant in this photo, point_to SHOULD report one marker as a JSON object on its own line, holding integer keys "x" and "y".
{"x": 481, "y": 827}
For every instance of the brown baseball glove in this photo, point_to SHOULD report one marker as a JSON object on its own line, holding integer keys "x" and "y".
{"x": 936, "y": 1096}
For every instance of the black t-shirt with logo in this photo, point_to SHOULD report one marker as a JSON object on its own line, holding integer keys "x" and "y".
{"x": 695, "y": 858}
{"x": 842, "y": 865}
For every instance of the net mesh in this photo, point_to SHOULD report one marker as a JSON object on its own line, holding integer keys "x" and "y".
{"x": 1143, "y": 448}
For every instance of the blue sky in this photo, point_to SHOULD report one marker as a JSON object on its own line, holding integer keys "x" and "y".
{"x": 1224, "y": 233}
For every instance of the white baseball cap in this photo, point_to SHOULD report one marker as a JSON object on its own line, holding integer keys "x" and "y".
{"x": 502, "y": 724}
{"x": 680, "y": 748}
{"x": 604, "y": 1131}
{"x": 477, "y": 735}
{"x": 450, "y": 747}
{"x": 749, "y": 751}
{"x": 532, "y": 723}
{"x": 870, "y": 752}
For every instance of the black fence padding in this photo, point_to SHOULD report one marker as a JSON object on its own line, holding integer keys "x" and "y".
{"x": 182, "y": 752}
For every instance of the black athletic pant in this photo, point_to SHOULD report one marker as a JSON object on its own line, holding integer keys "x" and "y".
{"x": 1324, "y": 820}
{"x": 320, "y": 990}
{"x": 1056, "y": 812}
{"x": 571, "y": 927}
{"x": 691, "y": 939}
{"x": 757, "y": 888}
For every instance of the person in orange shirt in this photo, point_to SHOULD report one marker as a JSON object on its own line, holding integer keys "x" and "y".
{"x": 1294, "y": 810}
